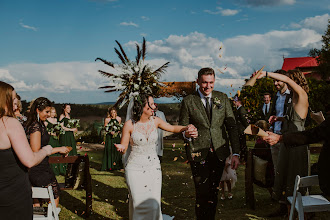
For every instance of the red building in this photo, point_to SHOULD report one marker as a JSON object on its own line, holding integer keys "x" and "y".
{"x": 307, "y": 65}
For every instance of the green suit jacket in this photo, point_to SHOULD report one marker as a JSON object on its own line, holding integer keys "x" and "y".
{"x": 217, "y": 133}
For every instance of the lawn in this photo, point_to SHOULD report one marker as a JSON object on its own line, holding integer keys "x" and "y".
{"x": 110, "y": 199}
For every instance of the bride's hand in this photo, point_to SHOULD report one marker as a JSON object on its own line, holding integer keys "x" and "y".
{"x": 262, "y": 74}
{"x": 120, "y": 148}
{"x": 192, "y": 131}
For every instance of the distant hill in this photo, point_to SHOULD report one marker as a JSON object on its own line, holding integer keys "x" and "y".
{"x": 102, "y": 103}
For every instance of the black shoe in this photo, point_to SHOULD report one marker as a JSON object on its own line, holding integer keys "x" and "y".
{"x": 40, "y": 210}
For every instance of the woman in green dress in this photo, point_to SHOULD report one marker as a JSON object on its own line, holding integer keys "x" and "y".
{"x": 111, "y": 157}
{"x": 51, "y": 122}
{"x": 67, "y": 139}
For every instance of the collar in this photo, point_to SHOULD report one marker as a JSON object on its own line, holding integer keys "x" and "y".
{"x": 203, "y": 96}
{"x": 287, "y": 92}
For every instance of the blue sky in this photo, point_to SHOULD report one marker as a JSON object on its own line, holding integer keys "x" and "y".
{"x": 48, "y": 48}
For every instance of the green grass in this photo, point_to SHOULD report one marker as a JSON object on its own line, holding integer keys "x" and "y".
{"x": 178, "y": 196}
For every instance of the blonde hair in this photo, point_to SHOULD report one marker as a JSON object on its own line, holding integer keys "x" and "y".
{"x": 53, "y": 108}
{"x": 109, "y": 111}
{"x": 6, "y": 100}
{"x": 299, "y": 78}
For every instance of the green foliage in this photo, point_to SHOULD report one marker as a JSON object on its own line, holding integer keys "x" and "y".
{"x": 323, "y": 54}
{"x": 319, "y": 99}
{"x": 252, "y": 97}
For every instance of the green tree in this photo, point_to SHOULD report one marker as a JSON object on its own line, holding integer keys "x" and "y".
{"x": 318, "y": 96}
{"x": 323, "y": 54}
{"x": 252, "y": 97}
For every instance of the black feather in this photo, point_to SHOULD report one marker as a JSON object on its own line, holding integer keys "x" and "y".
{"x": 108, "y": 74}
{"x": 106, "y": 87}
{"x": 138, "y": 54}
{"x": 161, "y": 69}
{"x": 106, "y": 62}
{"x": 120, "y": 56}
{"x": 122, "y": 51}
{"x": 144, "y": 49}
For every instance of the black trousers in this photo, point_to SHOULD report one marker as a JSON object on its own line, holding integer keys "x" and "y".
{"x": 206, "y": 176}
{"x": 243, "y": 147}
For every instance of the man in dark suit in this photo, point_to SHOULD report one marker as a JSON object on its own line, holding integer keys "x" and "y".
{"x": 241, "y": 122}
{"x": 300, "y": 138}
{"x": 211, "y": 113}
{"x": 267, "y": 107}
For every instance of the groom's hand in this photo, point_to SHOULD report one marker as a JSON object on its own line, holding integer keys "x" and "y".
{"x": 191, "y": 131}
{"x": 234, "y": 162}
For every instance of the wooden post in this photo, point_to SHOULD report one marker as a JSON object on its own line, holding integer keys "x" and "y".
{"x": 249, "y": 192}
{"x": 87, "y": 177}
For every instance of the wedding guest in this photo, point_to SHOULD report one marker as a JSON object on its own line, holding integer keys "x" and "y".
{"x": 211, "y": 112}
{"x": 67, "y": 139}
{"x": 160, "y": 142}
{"x": 228, "y": 179}
{"x": 142, "y": 170}
{"x": 18, "y": 109}
{"x": 51, "y": 124}
{"x": 42, "y": 175}
{"x": 241, "y": 122}
{"x": 111, "y": 157}
{"x": 301, "y": 138}
{"x": 15, "y": 157}
{"x": 260, "y": 143}
{"x": 291, "y": 161}
{"x": 267, "y": 107}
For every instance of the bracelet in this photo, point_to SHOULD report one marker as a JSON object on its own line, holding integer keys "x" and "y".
{"x": 266, "y": 74}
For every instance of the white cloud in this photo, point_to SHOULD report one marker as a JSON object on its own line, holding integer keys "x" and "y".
{"x": 317, "y": 23}
{"x": 145, "y": 18}
{"x": 27, "y": 26}
{"x": 128, "y": 24}
{"x": 223, "y": 12}
{"x": 267, "y": 2}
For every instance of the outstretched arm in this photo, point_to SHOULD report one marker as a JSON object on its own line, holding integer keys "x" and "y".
{"x": 126, "y": 134}
{"x": 172, "y": 128}
{"x": 301, "y": 107}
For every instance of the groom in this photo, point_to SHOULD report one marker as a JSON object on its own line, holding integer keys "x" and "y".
{"x": 211, "y": 113}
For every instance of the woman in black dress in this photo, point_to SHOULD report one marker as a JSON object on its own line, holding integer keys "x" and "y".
{"x": 42, "y": 175}
{"x": 15, "y": 157}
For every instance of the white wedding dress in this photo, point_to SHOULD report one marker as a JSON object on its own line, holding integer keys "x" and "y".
{"x": 143, "y": 173}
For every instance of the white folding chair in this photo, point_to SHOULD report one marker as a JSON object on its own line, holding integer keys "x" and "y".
{"x": 308, "y": 203}
{"x": 52, "y": 210}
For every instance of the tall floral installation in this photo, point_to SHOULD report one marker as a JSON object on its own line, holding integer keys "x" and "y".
{"x": 133, "y": 77}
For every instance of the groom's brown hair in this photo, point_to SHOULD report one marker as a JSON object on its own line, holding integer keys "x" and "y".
{"x": 205, "y": 71}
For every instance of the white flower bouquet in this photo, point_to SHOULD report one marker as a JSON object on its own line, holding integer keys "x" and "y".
{"x": 113, "y": 128}
{"x": 55, "y": 130}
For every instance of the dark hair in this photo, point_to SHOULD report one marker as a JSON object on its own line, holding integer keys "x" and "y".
{"x": 205, "y": 71}
{"x": 40, "y": 103}
{"x": 139, "y": 103}
{"x": 267, "y": 93}
{"x": 280, "y": 71}
{"x": 63, "y": 108}
{"x": 6, "y": 100}
{"x": 264, "y": 125}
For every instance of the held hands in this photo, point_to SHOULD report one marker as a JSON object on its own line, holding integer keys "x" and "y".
{"x": 272, "y": 138}
{"x": 75, "y": 130}
{"x": 273, "y": 119}
{"x": 191, "y": 131}
{"x": 261, "y": 74}
{"x": 121, "y": 148}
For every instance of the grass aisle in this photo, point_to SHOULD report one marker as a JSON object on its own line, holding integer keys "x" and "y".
{"x": 110, "y": 199}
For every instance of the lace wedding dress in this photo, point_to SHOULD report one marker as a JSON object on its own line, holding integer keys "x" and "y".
{"x": 143, "y": 173}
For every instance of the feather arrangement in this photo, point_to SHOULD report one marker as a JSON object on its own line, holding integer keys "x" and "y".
{"x": 133, "y": 77}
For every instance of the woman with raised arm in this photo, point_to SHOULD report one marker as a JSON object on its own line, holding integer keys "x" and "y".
{"x": 142, "y": 169}
{"x": 291, "y": 161}
{"x": 42, "y": 175}
{"x": 15, "y": 157}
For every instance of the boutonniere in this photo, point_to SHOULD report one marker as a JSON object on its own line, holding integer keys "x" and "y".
{"x": 289, "y": 101}
{"x": 217, "y": 103}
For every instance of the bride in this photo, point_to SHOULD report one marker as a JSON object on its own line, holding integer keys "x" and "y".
{"x": 142, "y": 170}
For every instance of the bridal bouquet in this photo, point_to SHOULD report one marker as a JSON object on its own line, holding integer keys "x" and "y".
{"x": 55, "y": 130}
{"x": 113, "y": 127}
